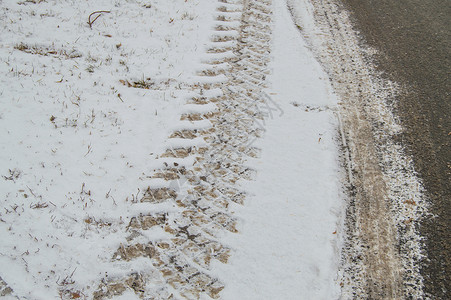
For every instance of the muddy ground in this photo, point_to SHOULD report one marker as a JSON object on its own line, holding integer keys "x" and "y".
{"x": 413, "y": 38}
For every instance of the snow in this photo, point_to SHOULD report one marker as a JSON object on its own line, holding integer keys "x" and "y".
{"x": 78, "y": 145}
{"x": 77, "y": 141}
{"x": 288, "y": 244}
{"x": 351, "y": 65}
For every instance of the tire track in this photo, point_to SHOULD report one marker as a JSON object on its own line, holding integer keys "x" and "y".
{"x": 202, "y": 167}
{"x": 383, "y": 250}
{"x": 4, "y": 288}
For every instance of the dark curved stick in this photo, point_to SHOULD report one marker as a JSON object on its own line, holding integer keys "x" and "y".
{"x": 96, "y": 12}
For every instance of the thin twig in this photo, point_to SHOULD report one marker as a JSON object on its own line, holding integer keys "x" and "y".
{"x": 99, "y": 12}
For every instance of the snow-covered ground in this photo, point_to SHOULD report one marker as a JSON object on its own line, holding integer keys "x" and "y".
{"x": 86, "y": 111}
{"x": 76, "y": 142}
{"x": 288, "y": 242}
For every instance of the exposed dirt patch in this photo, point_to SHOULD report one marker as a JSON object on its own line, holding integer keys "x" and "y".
{"x": 4, "y": 288}
{"x": 382, "y": 254}
{"x": 414, "y": 43}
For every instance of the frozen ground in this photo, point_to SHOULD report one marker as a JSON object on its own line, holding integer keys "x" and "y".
{"x": 170, "y": 149}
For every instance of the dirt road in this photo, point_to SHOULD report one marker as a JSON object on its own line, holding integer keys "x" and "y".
{"x": 414, "y": 39}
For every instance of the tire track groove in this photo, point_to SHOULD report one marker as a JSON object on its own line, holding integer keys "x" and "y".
{"x": 202, "y": 170}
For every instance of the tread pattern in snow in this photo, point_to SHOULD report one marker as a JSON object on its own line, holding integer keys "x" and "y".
{"x": 4, "y": 288}
{"x": 217, "y": 139}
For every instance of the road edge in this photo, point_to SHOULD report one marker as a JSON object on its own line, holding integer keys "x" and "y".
{"x": 383, "y": 248}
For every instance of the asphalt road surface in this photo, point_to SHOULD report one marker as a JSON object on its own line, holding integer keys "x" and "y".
{"x": 413, "y": 37}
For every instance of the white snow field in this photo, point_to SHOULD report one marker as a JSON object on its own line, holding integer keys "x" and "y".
{"x": 169, "y": 149}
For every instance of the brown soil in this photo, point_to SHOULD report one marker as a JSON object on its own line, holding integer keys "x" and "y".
{"x": 414, "y": 39}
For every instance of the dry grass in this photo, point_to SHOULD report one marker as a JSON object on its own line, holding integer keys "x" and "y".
{"x": 47, "y": 51}
{"x": 150, "y": 84}
{"x": 31, "y": 2}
